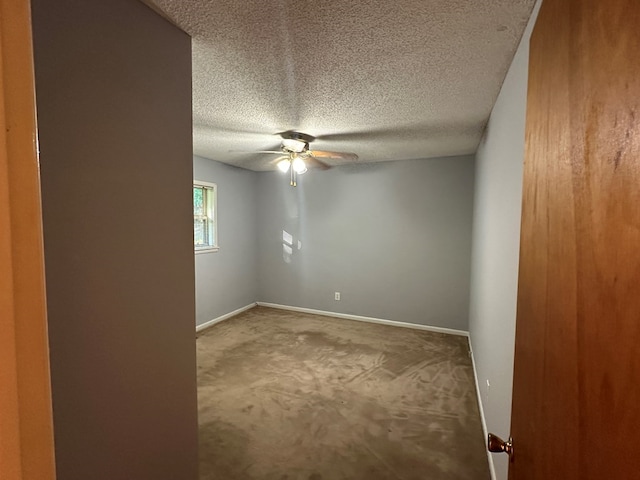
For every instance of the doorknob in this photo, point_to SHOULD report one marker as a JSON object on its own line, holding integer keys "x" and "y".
{"x": 496, "y": 445}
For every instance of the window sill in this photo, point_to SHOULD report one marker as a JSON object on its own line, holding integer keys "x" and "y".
{"x": 206, "y": 250}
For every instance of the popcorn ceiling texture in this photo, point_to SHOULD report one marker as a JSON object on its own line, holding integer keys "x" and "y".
{"x": 386, "y": 80}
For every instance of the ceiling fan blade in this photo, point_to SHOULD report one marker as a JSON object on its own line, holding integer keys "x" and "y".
{"x": 313, "y": 162}
{"x": 279, "y": 152}
{"x": 339, "y": 155}
{"x": 276, "y": 161}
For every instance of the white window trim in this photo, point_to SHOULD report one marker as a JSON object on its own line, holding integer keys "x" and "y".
{"x": 216, "y": 247}
{"x": 199, "y": 250}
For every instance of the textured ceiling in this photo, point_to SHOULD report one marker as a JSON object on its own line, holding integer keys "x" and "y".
{"x": 387, "y": 80}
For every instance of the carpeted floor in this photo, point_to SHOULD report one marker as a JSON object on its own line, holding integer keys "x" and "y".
{"x": 285, "y": 395}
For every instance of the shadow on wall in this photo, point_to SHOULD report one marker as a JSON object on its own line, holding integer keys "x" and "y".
{"x": 293, "y": 202}
{"x": 358, "y": 168}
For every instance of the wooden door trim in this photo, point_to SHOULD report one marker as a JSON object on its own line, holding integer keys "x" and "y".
{"x": 26, "y": 442}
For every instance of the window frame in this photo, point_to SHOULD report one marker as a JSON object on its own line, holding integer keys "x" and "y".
{"x": 212, "y": 215}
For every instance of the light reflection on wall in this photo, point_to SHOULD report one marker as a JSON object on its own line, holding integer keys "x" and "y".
{"x": 288, "y": 245}
{"x": 287, "y": 242}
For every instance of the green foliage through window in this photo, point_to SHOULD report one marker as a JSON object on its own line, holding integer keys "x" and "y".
{"x": 204, "y": 227}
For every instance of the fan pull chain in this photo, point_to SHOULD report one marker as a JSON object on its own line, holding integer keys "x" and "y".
{"x": 293, "y": 176}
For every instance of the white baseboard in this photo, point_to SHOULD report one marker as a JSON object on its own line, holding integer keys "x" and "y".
{"x": 492, "y": 468}
{"x": 210, "y": 323}
{"x": 359, "y": 318}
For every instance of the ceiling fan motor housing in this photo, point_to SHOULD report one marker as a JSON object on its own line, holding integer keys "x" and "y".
{"x": 296, "y": 142}
{"x": 294, "y": 145}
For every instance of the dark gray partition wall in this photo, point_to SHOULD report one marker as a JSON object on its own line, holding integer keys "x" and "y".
{"x": 113, "y": 84}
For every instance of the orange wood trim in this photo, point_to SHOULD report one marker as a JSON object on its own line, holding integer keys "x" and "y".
{"x": 576, "y": 395}
{"x": 26, "y": 441}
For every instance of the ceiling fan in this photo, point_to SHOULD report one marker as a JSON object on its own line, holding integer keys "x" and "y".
{"x": 295, "y": 155}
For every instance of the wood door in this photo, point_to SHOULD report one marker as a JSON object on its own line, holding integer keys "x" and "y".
{"x": 26, "y": 431}
{"x": 576, "y": 400}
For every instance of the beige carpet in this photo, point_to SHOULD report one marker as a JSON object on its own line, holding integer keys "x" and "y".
{"x": 285, "y": 395}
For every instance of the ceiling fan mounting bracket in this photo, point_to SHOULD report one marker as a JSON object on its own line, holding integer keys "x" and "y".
{"x": 293, "y": 135}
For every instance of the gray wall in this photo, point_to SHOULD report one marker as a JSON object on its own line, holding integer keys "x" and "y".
{"x": 393, "y": 238}
{"x": 113, "y": 83}
{"x": 496, "y": 243}
{"x": 226, "y": 280}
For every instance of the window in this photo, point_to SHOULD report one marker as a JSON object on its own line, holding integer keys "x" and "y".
{"x": 205, "y": 219}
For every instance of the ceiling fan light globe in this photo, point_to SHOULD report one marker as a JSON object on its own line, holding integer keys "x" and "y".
{"x": 299, "y": 166}
{"x": 283, "y": 165}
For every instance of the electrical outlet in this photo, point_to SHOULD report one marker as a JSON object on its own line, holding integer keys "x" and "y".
{"x": 337, "y": 296}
